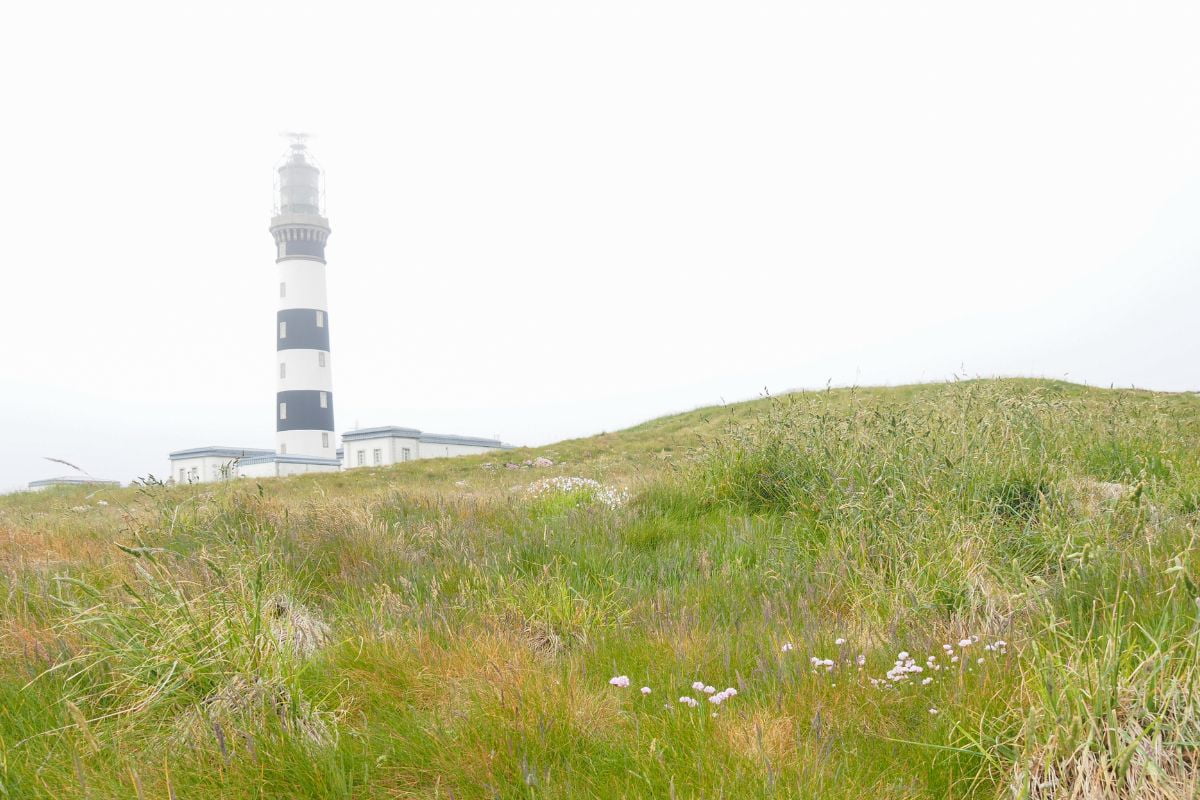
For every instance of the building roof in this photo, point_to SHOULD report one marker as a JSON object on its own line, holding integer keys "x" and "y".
{"x": 289, "y": 459}
{"x": 393, "y": 432}
{"x": 71, "y": 480}
{"x": 449, "y": 438}
{"x": 376, "y": 433}
{"x": 220, "y": 452}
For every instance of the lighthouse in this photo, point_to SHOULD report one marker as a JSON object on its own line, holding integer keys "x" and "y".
{"x": 304, "y": 397}
{"x": 303, "y": 409}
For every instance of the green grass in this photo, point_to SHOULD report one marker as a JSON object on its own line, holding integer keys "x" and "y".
{"x": 432, "y": 630}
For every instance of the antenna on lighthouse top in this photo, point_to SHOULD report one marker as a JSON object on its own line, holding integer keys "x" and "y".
{"x": 298, "y": 139}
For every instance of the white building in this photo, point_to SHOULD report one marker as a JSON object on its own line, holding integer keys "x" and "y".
{"x": 70, "y": 480}
{"x": 303, "y": 407}
{"x": 374, "y": 447}
{"x": 204, "y": 464}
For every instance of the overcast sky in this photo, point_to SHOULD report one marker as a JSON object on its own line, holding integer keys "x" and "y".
{"x": 556, "y": 218}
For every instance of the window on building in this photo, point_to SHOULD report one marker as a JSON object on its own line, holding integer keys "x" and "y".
{"x": 282, "y": 370}
{"x": 183, "y": 476}
{"x": 320, "y": 319}
{"x": 324, "y": 400}
{"x": 321, "y": 358}
{"x": 378, "y": 455}
{"x": 325, "y": 440}
{"x": 362, "y": 457}
{"x": 283, "y": 410}
{"x": 283, "y": 330}
{"x": 405, "y": 454}
{"x": 282, "y": 289}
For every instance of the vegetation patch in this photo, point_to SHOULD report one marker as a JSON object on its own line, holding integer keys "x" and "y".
{"x": 986, "y": 589}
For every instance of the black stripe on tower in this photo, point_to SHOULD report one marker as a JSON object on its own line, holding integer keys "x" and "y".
{"x": 311, "y": 250}
{"x": 302, "y": 329}
{"x": 300, "y": 241}
{"x": 301, "y": 410}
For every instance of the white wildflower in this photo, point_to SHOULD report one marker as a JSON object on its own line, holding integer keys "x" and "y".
{"x": 607, "y": 495}
{"x": 645, "y": 690}
{"x": 787, "y": 647}
{"x": 620, "y": 680}
{"x": 839, "y": 641}
{"x": 698, "y": 686}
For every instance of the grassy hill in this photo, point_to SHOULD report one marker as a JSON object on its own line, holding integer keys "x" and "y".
{"x": 982, "y": 589}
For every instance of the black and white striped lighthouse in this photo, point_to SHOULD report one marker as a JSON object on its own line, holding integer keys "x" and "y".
{"x": 304, "y": 401}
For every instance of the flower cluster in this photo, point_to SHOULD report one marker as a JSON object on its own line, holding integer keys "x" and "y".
{"x": 608, "y": 495}
{"x": 906, "y": 665}
{"x": 714, "y": 697}
{"x": 819, "y": 663}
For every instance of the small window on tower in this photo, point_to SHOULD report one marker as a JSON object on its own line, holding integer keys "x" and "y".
{"x": 283, "y": 330}
{"x": 405, "y": 454}
{"x": 325, "y": 440}
{"x": 283, "y": 410}
{"x": 320, "y": 319}
{"x": 362, "y": 457}
{"x": 324, "y": 400}
{"x": 282, "y": 289}
{"x": 378, "y": 454}
{"x": 321, "y": 359}
{"x": 282, "y": 370}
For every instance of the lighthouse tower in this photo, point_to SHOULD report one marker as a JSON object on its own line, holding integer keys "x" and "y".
{"x": 304, "y": 401}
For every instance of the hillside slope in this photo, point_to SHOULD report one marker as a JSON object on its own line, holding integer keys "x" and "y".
{"x": 980, "y": 589}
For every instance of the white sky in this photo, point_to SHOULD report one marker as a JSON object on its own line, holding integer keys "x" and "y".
{"x": 556, "y": 218}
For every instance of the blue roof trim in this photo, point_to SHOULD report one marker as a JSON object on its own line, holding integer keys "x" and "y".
{"x": 220, "y": 452}
{"x": 428, "y": 438}
{"x": 72, "y": 480}
{"x": 450, "y": 438}
{"x": 278, "y": 459}
{"x": 375, "y": 433}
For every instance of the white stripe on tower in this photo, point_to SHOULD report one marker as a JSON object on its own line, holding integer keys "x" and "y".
{"x": 304, "y": 400}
